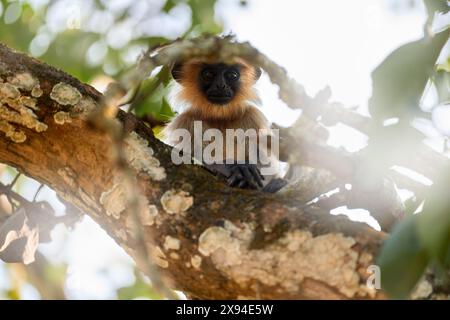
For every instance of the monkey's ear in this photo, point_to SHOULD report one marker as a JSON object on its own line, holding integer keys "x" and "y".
{"x": 176, "y": 71}
{"x": 258, "y": 73}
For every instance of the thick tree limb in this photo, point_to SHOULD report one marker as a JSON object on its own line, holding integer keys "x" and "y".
{"x": 210, "y": 241}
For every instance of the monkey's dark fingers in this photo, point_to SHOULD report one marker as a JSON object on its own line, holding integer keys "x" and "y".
{"x": 257, "y": 176}
{"x": 234, "y": 179}
{"x": 242, "y": 184}
{"x": 249, "y": 177}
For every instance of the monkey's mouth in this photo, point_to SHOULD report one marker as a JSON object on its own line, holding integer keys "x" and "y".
{"x": 220, "y": 99}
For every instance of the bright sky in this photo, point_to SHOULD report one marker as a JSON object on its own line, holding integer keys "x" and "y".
{"x": 335, "y": 43}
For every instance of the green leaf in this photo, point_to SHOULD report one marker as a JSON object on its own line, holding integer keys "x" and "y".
{"x": 55, "y": 273}
{"x": 150, "y": 103}
{"x": 169, "y": 5}
{"x": 402, "y": 260}
{"x": 139, "y": 289}
{"x": 441, "y": 80}
{"x": 434, "y": 221}
{"x": 399, "y": 81}
{"x": 445, "y": 66}
{"x": 433, "y": 6}
{"x": 447, "y": 259}
{"x": 151, "y": 97}
{"x": 166, "y": 111}
{"x": 203, "y": 18}
{"x": 13, "y": 294}
{"x": 165, "y": 75}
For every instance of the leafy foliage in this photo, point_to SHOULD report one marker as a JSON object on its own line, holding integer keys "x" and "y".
{"x": 152, "y": 97}
{"x": 434, "y": 222}
{"x": 403, "y": 259}
{"x": 398, "y": 84}
{"x": 441, "y": 80}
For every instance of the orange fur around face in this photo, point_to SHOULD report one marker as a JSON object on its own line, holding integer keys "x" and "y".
{"x": 207, "y": 110}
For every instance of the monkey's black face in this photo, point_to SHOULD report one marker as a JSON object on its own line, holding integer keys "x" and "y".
{"x": 219, "y": 82}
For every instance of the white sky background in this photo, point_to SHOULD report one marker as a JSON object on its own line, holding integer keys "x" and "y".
{"x": 320, "y": 43}
{"x": 335, "y": 43}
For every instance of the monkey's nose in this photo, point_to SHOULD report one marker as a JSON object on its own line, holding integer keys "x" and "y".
{"x": 221, "y": 86}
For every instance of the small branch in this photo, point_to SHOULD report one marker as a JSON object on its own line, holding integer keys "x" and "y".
{"x": 6, "y": 190}
{"x": 37, "y": 192}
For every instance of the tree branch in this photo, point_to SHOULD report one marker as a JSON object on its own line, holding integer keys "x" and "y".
{"x": 209, "y": 240}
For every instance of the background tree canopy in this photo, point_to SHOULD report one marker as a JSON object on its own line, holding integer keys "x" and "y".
{"x": 98, "y": 42}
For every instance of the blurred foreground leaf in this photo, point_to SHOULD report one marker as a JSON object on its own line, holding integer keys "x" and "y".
{"x": 441, "y": 80}
{"x": 402, "y": 259}
{"x": 399, "y": 81}
{"x": 151, "y": 99}
{"x": 434, "y": 221}
{"x": 440, "y": 6}
{"x": 139, "y": 289}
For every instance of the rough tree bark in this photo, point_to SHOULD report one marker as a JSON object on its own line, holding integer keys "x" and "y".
{"x": 209, "y": 240}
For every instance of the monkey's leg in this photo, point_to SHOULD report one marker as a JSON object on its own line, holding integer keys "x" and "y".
{"x": 240, "y": 175}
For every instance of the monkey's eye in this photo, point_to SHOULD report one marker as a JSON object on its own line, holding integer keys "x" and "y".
{"x": 232, "y": 75}
{"x": 208, "y": 75}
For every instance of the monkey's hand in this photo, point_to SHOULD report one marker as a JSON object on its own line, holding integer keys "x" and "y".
{"x": 245, "y": 176}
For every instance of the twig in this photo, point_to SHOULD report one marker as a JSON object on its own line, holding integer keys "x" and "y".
{"x": 37, "y": 192}
{"x": 11, "y": 185}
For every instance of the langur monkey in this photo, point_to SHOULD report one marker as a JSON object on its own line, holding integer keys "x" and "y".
{"x": 221, "y": 96}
